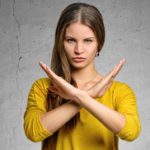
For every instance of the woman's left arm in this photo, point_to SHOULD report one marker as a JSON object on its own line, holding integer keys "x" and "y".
{"x": 123, "y": 121}
{"x": 112, "y": 119}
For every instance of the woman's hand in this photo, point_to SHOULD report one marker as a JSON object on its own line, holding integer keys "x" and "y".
{"x": 98, "y": 89}
{"x": 59, "y": 85}
{"x": 67, "y": 91}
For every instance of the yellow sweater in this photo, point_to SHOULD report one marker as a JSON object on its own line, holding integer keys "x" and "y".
{"x": 89, "y": 133}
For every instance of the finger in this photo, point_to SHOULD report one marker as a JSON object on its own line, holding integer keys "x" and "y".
{"x": 56, "y": 80}
{"x": 119, "y": 67}
{"x": 104, "y": 89}
{"x": 47, "y": 70}
{"x": 107, "y": 82}
{"x": 51, "y": 73}
{"x": 109, "y": 78}
{"x": 116, "y": 69}
{"x": 43, "y": 66}
{"x": 53, "y": 89}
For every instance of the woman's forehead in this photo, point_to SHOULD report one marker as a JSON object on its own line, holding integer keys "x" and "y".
{"x": 79, "y": 30}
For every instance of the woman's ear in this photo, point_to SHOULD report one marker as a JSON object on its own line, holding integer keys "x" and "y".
{"x": 97, "y": 54}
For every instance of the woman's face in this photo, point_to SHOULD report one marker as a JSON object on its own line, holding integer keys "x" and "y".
{"x": 80, "y": 45}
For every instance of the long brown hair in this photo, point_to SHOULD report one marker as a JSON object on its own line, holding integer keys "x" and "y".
{"x": 77, "y": 12}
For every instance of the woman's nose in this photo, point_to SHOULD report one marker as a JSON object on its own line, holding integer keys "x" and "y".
{"x": 79, "y": 48}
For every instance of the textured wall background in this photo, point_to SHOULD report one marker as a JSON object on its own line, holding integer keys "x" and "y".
{"x": 26, "y": 36}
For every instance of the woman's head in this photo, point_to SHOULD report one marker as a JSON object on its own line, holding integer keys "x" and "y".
{"x": 77, "y": 12}
{"x": 85, "y": 14}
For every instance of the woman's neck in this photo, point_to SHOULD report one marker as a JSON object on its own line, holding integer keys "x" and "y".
{"x": 85, "y": 75}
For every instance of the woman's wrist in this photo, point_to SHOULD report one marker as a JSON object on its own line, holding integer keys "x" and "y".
{"x": 79, "y": 96}
{"x": 75, "y": 104}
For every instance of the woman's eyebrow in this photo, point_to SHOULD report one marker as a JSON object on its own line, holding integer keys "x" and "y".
{"x": 68, "y": 36}
{"x": 90, "y": 38}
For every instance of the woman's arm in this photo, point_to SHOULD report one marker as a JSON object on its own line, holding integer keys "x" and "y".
{"x": 117, "y": 121}
{"x": 55, "y": 119}
{"x": 38, "y": 123}
{"x": 112, "y": 119}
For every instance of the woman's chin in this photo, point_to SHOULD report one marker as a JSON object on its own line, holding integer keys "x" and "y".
{"x": 78, "y": 66}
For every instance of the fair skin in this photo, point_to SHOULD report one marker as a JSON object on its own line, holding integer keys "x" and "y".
{"x": 81, "y": 46}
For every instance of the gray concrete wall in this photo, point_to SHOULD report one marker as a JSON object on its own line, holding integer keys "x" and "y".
{"x": 26, "y": 36}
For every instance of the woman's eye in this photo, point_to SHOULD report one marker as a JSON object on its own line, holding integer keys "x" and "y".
{"x": 70, "y": 40}
{"x": 88, "y": 41}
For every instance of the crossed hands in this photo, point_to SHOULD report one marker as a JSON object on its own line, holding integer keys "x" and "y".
{"x": 67, "y": 91}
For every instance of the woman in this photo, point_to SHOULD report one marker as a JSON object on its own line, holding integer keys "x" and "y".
{"x": 77, "y": 108}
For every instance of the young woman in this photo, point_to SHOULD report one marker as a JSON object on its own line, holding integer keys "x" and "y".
{"x": 77, "y": 108}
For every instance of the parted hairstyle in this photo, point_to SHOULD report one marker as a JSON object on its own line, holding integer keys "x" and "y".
{"x": 90, "y": 16}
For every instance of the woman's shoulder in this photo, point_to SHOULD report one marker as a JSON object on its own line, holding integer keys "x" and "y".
{"x": 121, "y": 87}
{"x": 120, "y": 84}
{"x": 42, "y": 82}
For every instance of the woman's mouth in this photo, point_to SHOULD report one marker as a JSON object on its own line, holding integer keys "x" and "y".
{"x": 78, "y": 59}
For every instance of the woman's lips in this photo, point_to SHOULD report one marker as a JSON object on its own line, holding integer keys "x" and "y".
{"x": 78, "y": 59}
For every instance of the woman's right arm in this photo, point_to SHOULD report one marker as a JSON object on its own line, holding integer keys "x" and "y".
{"x": 38, "y": 123}
{"x": 55, "y": 119}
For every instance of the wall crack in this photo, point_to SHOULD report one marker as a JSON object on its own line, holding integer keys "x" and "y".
{"x": 19, "y": 57}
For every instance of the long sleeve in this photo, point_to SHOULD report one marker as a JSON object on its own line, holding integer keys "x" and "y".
{"x": 36, "y": 106}
{"x": 126, "y": 104}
